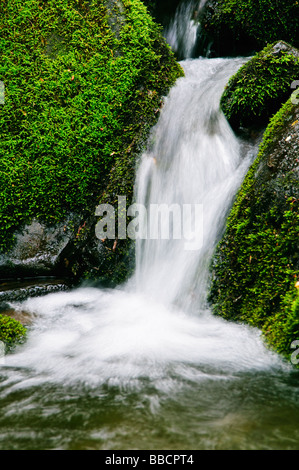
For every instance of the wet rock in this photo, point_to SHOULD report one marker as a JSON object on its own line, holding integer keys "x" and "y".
{"x": 37, "y": 250}
{"x": 18, "y": 291}
{"x": 25, "y": 318}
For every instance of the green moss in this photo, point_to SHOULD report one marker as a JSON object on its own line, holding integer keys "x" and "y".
{"x": 258, "y": 89}
{"x": 241, "y": 26}
{"x": 82, "y": 88}
{"x": 256, "y": 264}
{"x": 276, "y": 127}
{"x": 12, "y": 332}
{"x": 283, "y": 328}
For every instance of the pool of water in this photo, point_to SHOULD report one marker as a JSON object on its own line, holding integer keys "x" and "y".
{"x": 109, "y": 370}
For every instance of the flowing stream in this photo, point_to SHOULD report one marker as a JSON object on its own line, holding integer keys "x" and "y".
{"x": 147, "y": 365}
{"x": 183, "y": 29}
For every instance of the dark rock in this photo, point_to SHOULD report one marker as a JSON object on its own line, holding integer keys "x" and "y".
{"x": 243, "y": 27}
{"x": 37, "y": 250}
{"x": 18, "y": 291}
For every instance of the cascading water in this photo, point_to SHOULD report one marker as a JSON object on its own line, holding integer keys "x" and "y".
{"x": 182, "y": 31}
{"x": 194, "y": 159}
{"x": 147, "y": 366}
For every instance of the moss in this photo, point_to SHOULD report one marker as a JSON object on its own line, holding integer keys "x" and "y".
{"x": 232, "y": 27}
{"x": 282, "y": 328}
{"x": 83, "y": 82}
{"x": 12, "y": 332}
{"x": 259, "y": 88}
{"x": 256, "y": 264}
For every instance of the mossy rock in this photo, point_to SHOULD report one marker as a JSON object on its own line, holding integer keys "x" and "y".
{"x": 12, "y": 332}
{"x": 259, "y": 88}
{"x": 256, "y": 265}
{"x": 84, "y": 82}
{"x": 241, "y": 27}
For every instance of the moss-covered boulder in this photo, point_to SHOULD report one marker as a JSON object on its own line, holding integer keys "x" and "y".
{"x": 233, "y": 27}
{"x": 261, "y": 86}
{"x": 256, "y": 265}
{"x": 83, "y": 82}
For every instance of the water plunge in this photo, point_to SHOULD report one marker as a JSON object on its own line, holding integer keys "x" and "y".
{"x": 160, "y": 318}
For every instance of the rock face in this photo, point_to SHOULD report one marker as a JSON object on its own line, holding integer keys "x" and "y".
{"x": 234, "y": 27}
{"x": 256, "y": 266}
{"x": 84, "y": 82}
{"x": 19, "y": 291}
{"x": 37, "y": 250}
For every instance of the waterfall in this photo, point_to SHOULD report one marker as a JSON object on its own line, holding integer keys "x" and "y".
{"x": 194, "y": 159}
{"x": 159, "y": 321}
{"x": 182, "y": 31}
{"x": 147, "y": 365}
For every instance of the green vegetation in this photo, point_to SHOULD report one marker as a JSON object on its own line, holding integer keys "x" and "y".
{"x": 259, "y": 88}
{"x": 241, "y": 26}
{"x": 256, "y": 265}
{"x": 83, "y": 85}
{"x": 12, "y": 332}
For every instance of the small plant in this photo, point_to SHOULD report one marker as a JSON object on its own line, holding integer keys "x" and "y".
{"x": 12, "y": 332}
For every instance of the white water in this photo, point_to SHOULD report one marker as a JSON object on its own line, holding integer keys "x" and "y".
{"x": 157, "y": 327}
{"x": 194, "y": 159}
{"x": 182, "y": 31}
